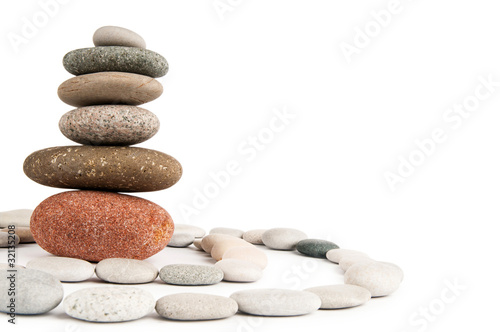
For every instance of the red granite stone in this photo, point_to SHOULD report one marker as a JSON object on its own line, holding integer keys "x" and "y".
{"x": 94, "y": 225}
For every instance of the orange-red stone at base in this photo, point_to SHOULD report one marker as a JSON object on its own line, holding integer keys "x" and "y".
{"x": 94, "y": 225}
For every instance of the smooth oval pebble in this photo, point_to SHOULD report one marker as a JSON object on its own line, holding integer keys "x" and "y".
{"x": 181, "y": 240}
{"x": 186, "y": 228}
{"x": 24, "y": 234}
{"x": 126, "y": 271}
{"x": 251, "y": 254}
{"x": 348, "y": 261}
{"x": 191, "y": 275}
{"x": 63, "y": 268}
{"x": 115, "y": 59}
{"x": 282, "y": 238}
{"x": 18, "y": 218}
{"x": 335, "y": 255}
{"x": 190, "y": 306}
{"x": 109, "y": 125}
{"x": 109, "y": 304}
{"x": 254, "y": 236}
{"x": 210, "y": 240}
{"x": 117, "y": 36}
{"x": 197, "y": 244}
{"x": 94, "y": 225}
{"x": 111, "y": 168}
{"x": 340, "y": 296}
{"x": 6, "y": 241}
{"x": 228, "y": 231}
{"x": 239, "y": 270}
{"x": 37, "y": 292}
{"x": 315, "y": 247}
{"x": 221, "y": 246}
{"x": 109, "y": 88}
{"x": 276, "y": 302}
{"x": 379, "y": 278}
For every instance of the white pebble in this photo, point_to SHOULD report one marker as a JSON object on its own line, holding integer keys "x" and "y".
{"x": 283, "y": 238}
{"x": 181, "y": 240}
{"x": 63, "y": 268}
{"x": 194, "y": 307}
{"x": 239, "y": 270}
{"x": 19, "y": 217}
{"x": 254, "y": 236}
{"x": 335, "y": 255}
{"x": 126, "y": 271}
{"x": 251, "y": 254}
{"x": 379, "y": 278}
{"x": 186, "y": 228}
{"x": 340, "y": 296}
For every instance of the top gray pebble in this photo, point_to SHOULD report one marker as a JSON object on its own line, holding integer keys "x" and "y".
{"x": 116, "y": 36}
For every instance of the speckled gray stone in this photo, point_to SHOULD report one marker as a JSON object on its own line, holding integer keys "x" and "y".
{"x": 126, "y": 271}
{"x": 315, "y": 247}
{"x": 20, "y": 217}
{"x": 186, "y": 228}
{"x": 37, "y": 292}
{"x": 109, "y": 125}
{"x": 282, "y": 238}
{"x": 191, "y": 275}
{"x": 379, "y": 278}
{"x": 228, "y": 231}
{"x": 115, "y": 58}
{"x": 340, "y": 296}
{"x": 63, "y": 268}
{"x": 5, "y": 241}
{"x": 276, "y": 302}
{"x": 193, "y": 307}
{"x": 117, "y": 36}
{"x": 109, "y": 304}
{"x": 181, "y": 240}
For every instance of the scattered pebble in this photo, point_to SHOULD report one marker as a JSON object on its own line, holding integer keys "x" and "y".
{"x": 109, "y": 304}
{"x": 347, "y": 261}
{"x": 5, "y": 241}
{"x": 340, "y": 296}
{"x": 221, "y": 246}
{"x": 283, "y": 238}
{"x": 191, "y": 307}
{"x": 315, "y": 247}
{"x": 197, "y": 244}
{"x": 186, "y": 228}
{"x": 209, "y": 241}
{"x": 276, "y": 302}
{"x": 335, "y": 255}
{"x": 18, "y": 218}
{"x": 181, "y": 240}
{"x": 251, "y": 254}
{"x": 228, "y": 231}
{"x": 126, "y": 271}
{"x": 379, "y": 278}
{"x": 191, "y": 275}
{"x": 63, "y": 268}
{"x": 117, "y": 36}
{"x": 254, "y": 236}
{"x": 239, "y": 270}
{"x": 23, "y": 232}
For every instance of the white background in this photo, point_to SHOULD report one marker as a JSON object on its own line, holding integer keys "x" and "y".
{"x": 324, "y": 173}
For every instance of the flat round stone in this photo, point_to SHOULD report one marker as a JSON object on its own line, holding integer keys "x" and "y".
{"x": 126, "y": 271}
{"x": 276, "y": 302}
{"x": 221, "y": 246}
{"x": 190, "y": 275}
{"x": 109, "y": 304}
{"x": 340, "y": 296}
{"x": 109, "y": 125}
{"x": 126, "y": 169}
{"x": 37, "y": 292}
{"x": 197, "y": 243}
{"x": 282, "y": 238}
{"x": 115, "y": 58}
{"x": 228, "y": 231}
{"x": 335, "y": 255}
{"x": 251, "y": 254}
{"x": 117, "y": 36}
{"x": 379, "y": 278}
{"x": 94, "y": 225}
{"x": 181, "y": 240}
{"x": 63, "y": 268}
{"x": 6, "y": 240}
{"x": 24, "y": 234}
{"x": 109, "y": 88}
{"x": 210, "y": 240}
{"x": 185, "y": 228}
{"x": 315, "y": 247}
{"x": 18, "y": 218}
{"x": 194, "y": 307}
{"x": 238, "y": 270}
{"x": 254, "y": 236}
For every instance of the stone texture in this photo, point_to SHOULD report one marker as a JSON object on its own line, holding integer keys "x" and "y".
{"x": 115, "y": 59}
{"x": 194, "y": 307}
{"x": 24, "y": 234}
{"x": 254, "y": 236}
{"x": 221, "y": 246}
{"x": 126, "y": 271}
{"x": 63, "y": 268}
{"x": 379, "y": 278}
{"x": 282, "y": 238}
{"x": 239, "y": 270}
{"x": 181, "y": 240}
{"x": 109, "y": 125}
{"x": 209, "y": 241}
{"x": 276, "y": 302}
{"x": 197, "y": 244}
{"x": 185, "y": 228}
{"x": 109, "y": 88}
{"x": 191, "y": 275}
{"x": 37, "y": 292}
{"x": 315, "y": 247}
{"x": 228, "y": 231}
{"x": 340, "y": 296}
{"x": 6, "y": 241}
{"x": 335, "y": 255}
{"x": 126, "y": 169}
{"x": 348, "y": 261}
{"x": 18, "y": 218}
{"x": 117, "y": 36}
{"x": 251, "y": 254}
{"x": 94, "y": 225}
{"x": 109, "y": 304}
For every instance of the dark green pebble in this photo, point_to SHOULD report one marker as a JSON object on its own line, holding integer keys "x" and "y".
{"x": 315, "y": 247}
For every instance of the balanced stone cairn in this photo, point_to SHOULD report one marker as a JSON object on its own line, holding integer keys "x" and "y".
{"x": 95, "y": 222}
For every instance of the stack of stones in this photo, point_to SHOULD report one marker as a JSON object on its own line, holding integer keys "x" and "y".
{"x": 95, "y": 222}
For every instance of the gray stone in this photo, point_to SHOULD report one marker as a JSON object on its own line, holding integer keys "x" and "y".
{"x": 379, "y": 278}
{"x": 191, "y": 275}
{"x": 239, "y": 270}
{"x": 126, "y": 271}
{"x": 6, "y": 240}
{"x": 254, "y": 236}
{"x": 315, "y": 247}
{"x": 180, "y": 239}
{"x": 117, "y": 36}
{"x": 191, "y": 307}
{"x": 185, "y": 228}
{"x": 63, "y": 268}
{"x": 20, "y": 217}
{"x": 282, "y": 238}
{"x": 276, "y": 302}
{"x": 115, "y": 58}
{"x": 36, "y": 292}
{"x": 228, "y": 231}
{"x": 109, "y": 304}
{"x": 340, "y": 296}
{"x": 109, "y": 125}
